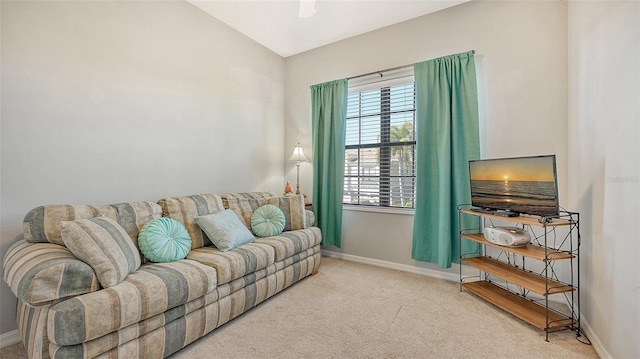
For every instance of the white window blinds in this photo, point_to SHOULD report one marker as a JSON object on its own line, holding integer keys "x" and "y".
{"x": 380, "y": 141}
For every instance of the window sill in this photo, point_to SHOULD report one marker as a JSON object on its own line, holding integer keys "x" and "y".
{"x": 402, "y": 211}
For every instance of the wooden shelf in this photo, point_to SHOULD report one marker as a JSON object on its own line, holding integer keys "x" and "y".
{"x": 522, "y": 219}
{"x": 522, "y": 308}
{"x": 517, "y": 296}
{"x": 517, "y": 276}
{"x": 529, "y": 250}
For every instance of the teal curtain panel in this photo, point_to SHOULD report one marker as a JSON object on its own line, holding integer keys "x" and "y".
{"x": 447, "y": 138}
{"x": 329, "y": 115}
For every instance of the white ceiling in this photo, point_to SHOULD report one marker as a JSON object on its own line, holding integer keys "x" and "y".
{"x": 275, "y": 23}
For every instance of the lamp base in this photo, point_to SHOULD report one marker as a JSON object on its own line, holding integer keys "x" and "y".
{"x": 298, "y": 178}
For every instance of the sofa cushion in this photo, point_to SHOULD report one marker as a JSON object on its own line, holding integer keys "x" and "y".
{"x": 42, "y": 224}
{"x": 164, "y": 240}
{"x": 310, "y": 218}
{"x": 186, "y": 209}
{"x": 225, "y": 230}
{"x": 104, "y": 245}
{"x": 153, "y": 289}
{"x": 156, "y": 337}
{"x": 268, "y": 220}
{"x": 290, "y": 243}
{"x": 235, "y": 263}
{"x": 132, "y": 216}
{"x": 244, "y": 204}
{"x": 41, "y": 272}
{"x": 294, "y": 212}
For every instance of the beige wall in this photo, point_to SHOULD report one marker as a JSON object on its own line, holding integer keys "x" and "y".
{"x": 523, "y": 94}
{"x": 106, "y": 102}
{"x": 604, "y": 147}
{"x": 555, "y": 77}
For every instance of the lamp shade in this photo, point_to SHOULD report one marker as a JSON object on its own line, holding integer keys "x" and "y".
{"x": 298, "y": 155}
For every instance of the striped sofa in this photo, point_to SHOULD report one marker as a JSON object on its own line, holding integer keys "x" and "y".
{"x": 63, "y": 312}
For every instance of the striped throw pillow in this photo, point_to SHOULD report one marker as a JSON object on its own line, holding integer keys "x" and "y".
{"x": 294, "y": 212}
{"x": 104, "y": 245}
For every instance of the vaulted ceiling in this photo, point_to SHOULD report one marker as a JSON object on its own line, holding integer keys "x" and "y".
{"x": 275, "y": 23}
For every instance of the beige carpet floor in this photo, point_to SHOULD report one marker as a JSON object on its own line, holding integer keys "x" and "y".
{"x": 352, "y": 310}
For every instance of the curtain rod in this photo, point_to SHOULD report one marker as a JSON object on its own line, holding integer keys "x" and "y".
{"x": 379, "y": 72}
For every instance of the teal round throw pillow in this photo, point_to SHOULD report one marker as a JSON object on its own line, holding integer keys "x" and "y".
{"x": 267, "y": 221}
{"x": 164, "y": 240}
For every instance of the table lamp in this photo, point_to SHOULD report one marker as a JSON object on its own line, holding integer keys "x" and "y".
{"x": 298, "y": 156}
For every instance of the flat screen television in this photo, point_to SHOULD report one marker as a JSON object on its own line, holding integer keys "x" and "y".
{"x": 518, "y": 185}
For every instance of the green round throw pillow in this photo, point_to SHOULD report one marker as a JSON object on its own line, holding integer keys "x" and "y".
{"x": 164, "y": 240}
{"x": 267, "y": 221}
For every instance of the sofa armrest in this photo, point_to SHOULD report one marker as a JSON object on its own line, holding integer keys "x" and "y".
{"x": 41, "y": 272}
{"x": 310, "y": 218}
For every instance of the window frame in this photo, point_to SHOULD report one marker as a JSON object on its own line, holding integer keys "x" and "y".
{"x": 404, "y": 76}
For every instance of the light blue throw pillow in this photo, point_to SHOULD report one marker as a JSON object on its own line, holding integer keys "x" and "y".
{"x": 164, "y": 240}
{"x": 267, "y": 221}
{"x": 225, "y": 230}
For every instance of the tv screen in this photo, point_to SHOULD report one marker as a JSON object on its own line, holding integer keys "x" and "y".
{"x": 525, "y": 185}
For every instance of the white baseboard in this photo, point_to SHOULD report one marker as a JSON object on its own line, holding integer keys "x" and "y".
{"x": 391, "y": 265}
{"x": 10, "y": 338}
{"x": 593, "y": 338}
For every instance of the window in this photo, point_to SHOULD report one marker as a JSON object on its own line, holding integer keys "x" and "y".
{"x": 380, "y": 144}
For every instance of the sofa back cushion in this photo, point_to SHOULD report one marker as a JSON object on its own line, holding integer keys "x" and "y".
{"x": 186, "y": 209}
{"x": 42, "y": 224}
{"x": 244, "y": 204}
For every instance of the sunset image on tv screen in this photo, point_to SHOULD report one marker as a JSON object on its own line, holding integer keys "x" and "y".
{"x": 523, "y": 185}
